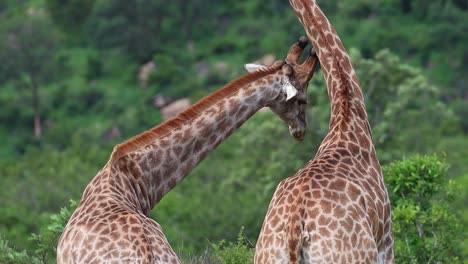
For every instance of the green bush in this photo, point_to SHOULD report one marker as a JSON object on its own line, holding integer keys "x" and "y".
{"x": 9, "y": 255}
{"x": 234, "y": 253}
{"x": 45, "y": 241}
{"x": 48, "y": 237}
{"x": 426, "y": 227}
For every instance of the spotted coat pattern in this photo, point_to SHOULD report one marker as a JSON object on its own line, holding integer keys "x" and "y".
{"x": 111, "y": 223}
{"x": 336, "y": 208}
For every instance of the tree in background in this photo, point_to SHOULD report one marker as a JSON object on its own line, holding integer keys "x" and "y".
{"x": 70, "y": 15}
{"x": 405, "y": 110}
{"x": 427, "y": 34}
{"x": 397, "y": 95}
{"x": 27, "y": 51}
{"x": 137, "y": 27}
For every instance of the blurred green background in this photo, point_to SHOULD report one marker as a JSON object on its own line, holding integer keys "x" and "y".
{"x": 71, "y": 88}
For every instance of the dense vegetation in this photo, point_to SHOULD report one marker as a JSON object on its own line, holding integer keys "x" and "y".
{"x": 68, "y": 82}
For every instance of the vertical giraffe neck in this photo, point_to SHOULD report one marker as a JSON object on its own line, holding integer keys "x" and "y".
{"x": 347, "y": 103}
{"x": 156, "y": 161}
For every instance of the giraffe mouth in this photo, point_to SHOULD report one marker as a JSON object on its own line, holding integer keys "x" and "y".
{"x": 298, "y": 132}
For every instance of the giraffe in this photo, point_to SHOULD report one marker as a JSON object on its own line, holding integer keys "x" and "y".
{"x": 336, "y": 208}
{"x": 111, "y": 222}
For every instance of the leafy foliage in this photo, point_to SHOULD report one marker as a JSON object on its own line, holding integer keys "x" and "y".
{"x": 396, "y": 95}
{"x": 70, "y": 15}
{"x": 45, "y": 242}
{"x": 426, "y": 228}
{"x": 233, "y": 253}
{"x": 10, "y": 255}
{"x": 27, "y": 44}
{"x": 413, "y": 78}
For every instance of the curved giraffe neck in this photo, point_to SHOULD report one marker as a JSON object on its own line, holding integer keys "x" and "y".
{"x": 148, "y": 137}
{"x": 154, "y": 162}
{"x": 347, "y": 103}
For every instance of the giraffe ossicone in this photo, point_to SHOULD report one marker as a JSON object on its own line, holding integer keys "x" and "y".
{"x": 111, "y": 221}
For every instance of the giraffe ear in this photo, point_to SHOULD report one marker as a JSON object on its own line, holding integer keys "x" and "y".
{"x": 289, "y": 89}
{"x": 251, "y": 67}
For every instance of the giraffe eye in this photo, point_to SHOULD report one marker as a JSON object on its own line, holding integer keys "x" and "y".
{"x": 302, "y": 102}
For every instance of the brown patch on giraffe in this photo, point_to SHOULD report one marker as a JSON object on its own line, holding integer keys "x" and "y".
{"x": 187, "y": 167}
{"x": 241, "y": 111}
{"x": 167, "y": 127}
{"x": 347, "y": 161}
{"x": 326, "y": 206}
{"x": 330, "y": 39}
{"x": 275, "y": 221}
{"x": 251, "y": 99}
{"x": 317, "y": 194}
{"x": 339, "y": 211}
{"x": 324, "y": 232}
{"x": 105, "y": 231}
{"x": 233, "y": 108}
{"x": 160, "y": 193}
{"x": 268, "y": 231}
{"x": 185, "y": 156}
{"x": 337, "y": 185}
{"x": 223, "y": 124}
{"x": 354, "y": 149}
{"x": 114, "y": 235}
{"x": 248, "y": 92}
{"x": 177, "y": 150}
{"x": 172, "y": 183}
{"x": 163, "y": 143}
{"x": 364, "y": 141}
{"x": 323, "y": 183}
{"x": 198, "y": 146}
{"x": 343, "y": 152}
{"x": 324, "y": 221}
{"x": 213, "y": 138}
{"x": 200, "y": 123}
{"x": 333, "y": 161}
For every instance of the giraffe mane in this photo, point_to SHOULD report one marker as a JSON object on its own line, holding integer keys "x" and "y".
{"x": 145, "y": 138}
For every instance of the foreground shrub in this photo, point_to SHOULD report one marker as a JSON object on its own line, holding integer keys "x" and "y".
{"x": 425, "y": 226}
{"x": 234, "y": 253}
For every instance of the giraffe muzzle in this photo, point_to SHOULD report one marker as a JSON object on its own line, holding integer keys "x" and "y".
{"x": 298, "y": 132}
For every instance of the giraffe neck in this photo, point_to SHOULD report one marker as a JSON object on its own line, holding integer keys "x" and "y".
{"x": 156, "y": 161}
{"x": 347, "y": 103}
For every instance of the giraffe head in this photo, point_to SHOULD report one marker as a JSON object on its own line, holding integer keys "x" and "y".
{"x": 291, "y": 104}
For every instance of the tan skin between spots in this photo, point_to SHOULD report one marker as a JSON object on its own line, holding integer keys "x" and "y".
{"x": 111, "y": 222}
{"x": 336, "y": 208}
